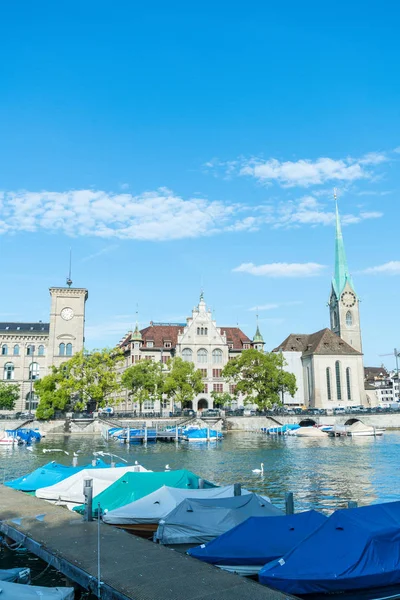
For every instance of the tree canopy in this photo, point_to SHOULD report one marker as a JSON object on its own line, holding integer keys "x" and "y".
{"x": 9, "y": 394}
{"x": 221, "y": 398}
{"x": 144, "y": 381}
{"x": 183, "y": 381}
{"x": 82, "y": 379}
{"x": 260, "y": 377}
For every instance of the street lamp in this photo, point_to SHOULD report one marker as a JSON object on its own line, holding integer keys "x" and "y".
{"x": 31, "y": 349}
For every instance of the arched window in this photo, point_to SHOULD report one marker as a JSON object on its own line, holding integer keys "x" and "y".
{"x": 41, "y": 351}
{"x": 334, "y": 320}
{"x": 205, "y": 331}
{"x": 217, "y": 356}
{"x": 8, "y": 371}
{"x": 338, "y": 382}
{"x": 198, "y": 331}
{"x": 61, "y": 349}
{"x": 187, "y": 354}
{"x": 349, "y": 319}
{"x": 309, "y": 383}
{"x": 328, "y": 383}
{"x": 202, "y": 355}
{"x": 30, "y": 350}
{"x": 68, "y": 350}
{"x": 31, "y": 405}
{"x": 4, "y": 350}
{"x": 16, "y": 350}
{"x": 34, "y": 371}
{"x": 348, "y": 383}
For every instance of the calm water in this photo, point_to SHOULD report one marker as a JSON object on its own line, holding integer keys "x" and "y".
{"x": 322, "y": 473}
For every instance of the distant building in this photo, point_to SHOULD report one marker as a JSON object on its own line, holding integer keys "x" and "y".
{"x": 382, "y": 384}
{"x": 28, "y": 350}
{"x": 200, "y": 340}
{"x": 328, "y": 364}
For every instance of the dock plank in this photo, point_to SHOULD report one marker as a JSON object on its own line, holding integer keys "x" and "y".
{"x": 131, "y": 567}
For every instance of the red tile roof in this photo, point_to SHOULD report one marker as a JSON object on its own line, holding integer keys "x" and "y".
{"x": 321, "y": 342}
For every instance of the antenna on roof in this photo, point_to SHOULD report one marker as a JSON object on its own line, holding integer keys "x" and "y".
{"x": 69, "y": 280}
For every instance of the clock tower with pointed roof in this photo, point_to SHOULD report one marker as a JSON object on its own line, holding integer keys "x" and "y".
{"x": 344, "y": 303}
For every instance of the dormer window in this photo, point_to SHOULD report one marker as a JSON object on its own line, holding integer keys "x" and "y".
{"x": 246, "y": 346}
{"x": 150, "y": 344}
{"x": 230, "y": 346}
{"x": 167, "y": 345}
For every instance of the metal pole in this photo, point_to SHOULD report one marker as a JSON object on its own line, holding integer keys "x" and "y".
{"x": 397, "y": 369}
{"x": 145, "y": 433}
{"x": 88, "y": 493}
{"x": 176, "y": 432}
{"x": 237, "y": 489}
{"x": 31, "y": 347}
{"x": 289, "y": 502}
{"x": 201, "y": 484}
{"x": 98, "y": 551}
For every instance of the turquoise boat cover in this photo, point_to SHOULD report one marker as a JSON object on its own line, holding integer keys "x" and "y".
{"x": 355, "y": 549}
{"x": 48, "y": 475}
{"x": 133, "y": 486}
{"x": 202, "y": 434}
{"x": 259, "y": 540}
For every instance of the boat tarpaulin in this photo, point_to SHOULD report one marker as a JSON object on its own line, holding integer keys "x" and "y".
{"x": 49, "y": 474}
{"x": 70, "y": 490}
{"x": 259, "y": 540}
{"x": 160, "y": 503}
{"x": 355, "y": 549}
{"x": 133, "y": 486}
{"x": 18, "y": 591}
{"x": 200, "y": 521}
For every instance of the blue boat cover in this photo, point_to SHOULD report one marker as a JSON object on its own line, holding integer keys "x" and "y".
{"x": 259, "y": 539}
{"x": 48, "y": 475}
{"x": 355, "y": 549}
{"x": 202, "y": 433}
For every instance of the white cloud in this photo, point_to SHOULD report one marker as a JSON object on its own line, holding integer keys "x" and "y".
{"x": 104, "y": 250}
{"x": 273, "y": 306}
{"x": 390, "y": 268}
{"x": 158, "y": 215}
{"x": 281, "y": 269}
{"x": 303, "y": 172}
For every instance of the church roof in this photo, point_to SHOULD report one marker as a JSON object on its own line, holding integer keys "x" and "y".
{"x": 342, "y": 275}
{"x": 375, "y": 373}
{"x": 321, "y": 342}
{"x": 40, "y": 327}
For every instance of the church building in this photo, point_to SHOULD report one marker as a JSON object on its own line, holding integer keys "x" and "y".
{"x": 328, "y": 364}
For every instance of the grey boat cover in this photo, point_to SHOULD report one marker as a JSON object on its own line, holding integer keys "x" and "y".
{"x": 17, "y": 591}
{"x": 200, "y": 521}
{"x": 20, "y": 575}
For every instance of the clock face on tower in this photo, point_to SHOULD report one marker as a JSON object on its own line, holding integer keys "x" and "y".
{"x": 348, "y": 299}
{"x": 67, "y": 313}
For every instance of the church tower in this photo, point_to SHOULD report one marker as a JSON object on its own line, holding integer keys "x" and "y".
{"x": 344, "y": 302}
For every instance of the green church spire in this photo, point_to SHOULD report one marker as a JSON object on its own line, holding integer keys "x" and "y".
{"x": 342, "y": 275}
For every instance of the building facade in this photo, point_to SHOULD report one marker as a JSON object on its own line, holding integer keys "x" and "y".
{"x": 29, "y": 350}
{"x": 328, "y": 364}
{"x": 200, "y": 340}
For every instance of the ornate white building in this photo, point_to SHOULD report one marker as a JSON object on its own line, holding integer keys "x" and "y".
{"x": 199, "y": 340}
{"x": 328, "y": 364}
{"x": 29, "y": 350}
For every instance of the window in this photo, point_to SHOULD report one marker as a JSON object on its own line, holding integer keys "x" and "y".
{"x": 328, "y": 383}
{"x": 202, "y": 355}
{"x": 217, "y": 356}
{"x": 202, "y": 331}
{"x": 68, "y": 350}
{"x": 33, "y": 371}
{"x": 16, "y": 350}
{"x": 348, "y": 383}
{"x": 41, "y": 351}
{"x": 61, "y": 349}
{"x": 167, "y": 345}
{"x": 218, "y": 387}
{"x": 203, "y": 372}
{"x": 148, "y": 358}
{"x": 30, "y": 350}
{"x": 148, "y": 405}
{"x": 136, "y": 358}
{"x": 187, "y": 354}
{"x": 230, "y": 346}
{"x": 150, "y": 344}
{"x": 246, "y": 346}
{"x": 4, "y": 350}
{"x": 232, "y": 388}
{"x": 8, "y": 371}
{"x": 217, "y": 373}
{"x": 205, "y": 331}
{"x": 338, "y": 383}
{"x": 205, "y": 389}
{"x": 349, "y": 319}
{"x": 309, "y": 383}
{"x": 165, "y": 358}
{"x": 33, "y": 404}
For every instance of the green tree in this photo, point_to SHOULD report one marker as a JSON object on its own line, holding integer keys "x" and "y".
{"x": 9, "y": 394}
{"x": 144, "y": 381}
{"x": 183, "y": 381}
{"x": 260, "y": 377}
{"x": 82, "y": 379}
{"x": 221, "y": 398}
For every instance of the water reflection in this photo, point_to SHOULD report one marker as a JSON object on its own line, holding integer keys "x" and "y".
{"x": 322, "y": 473}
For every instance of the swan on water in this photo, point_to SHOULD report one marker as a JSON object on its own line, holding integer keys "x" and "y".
{"x": 167, "y": 468}
{"x": 259, "y": 470}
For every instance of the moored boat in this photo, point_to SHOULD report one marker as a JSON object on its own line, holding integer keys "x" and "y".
{"x": 17, "y": 591}
{"x": 17, "y": 575}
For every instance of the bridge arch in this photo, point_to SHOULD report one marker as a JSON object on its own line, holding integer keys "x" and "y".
{"x": 352, "y": 421}
{"x": 307, "y": 423}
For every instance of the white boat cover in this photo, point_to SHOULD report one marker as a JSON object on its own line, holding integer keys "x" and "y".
{"x": 309, "y": 432}
{"x": 70, "y": 490}
{"x": 200, "y": 521}
{"x": 18, "y": 591}
{"x": 156, "y": 506}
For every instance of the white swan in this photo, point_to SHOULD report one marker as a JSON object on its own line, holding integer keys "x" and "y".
{"x": 259, "y": 470}
{"x": 167, "y": 468}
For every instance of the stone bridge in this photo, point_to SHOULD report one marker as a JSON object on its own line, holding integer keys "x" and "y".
{"x": 381, "y": 421}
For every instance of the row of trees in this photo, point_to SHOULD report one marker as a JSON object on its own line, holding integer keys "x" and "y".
{"x": 95, "y": 379}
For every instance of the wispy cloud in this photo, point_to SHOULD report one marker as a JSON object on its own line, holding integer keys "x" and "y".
{"x": 281, "y": 269}
{"x": 274, "y": 305}
{"x": 105, "y": 250}
{"x": 303, "y": 172}
{"x": 390, "y": 268}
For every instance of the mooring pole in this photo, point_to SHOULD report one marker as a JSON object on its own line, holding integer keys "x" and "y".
{"x": 128, "y": 435}
{"x": 98, "y": 551}
{"x": 289, "y": 503}
{"x": 176, "y": 433}
{"x": 201, "y": 484}
{"x": 208, "y": 434}
{"x": 145, "y": 433}
{"x": 88, "y": 493}
{"x": 75, "y": 460}
{"x": 237, "y": 489}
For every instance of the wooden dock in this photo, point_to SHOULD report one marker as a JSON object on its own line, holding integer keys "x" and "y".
{"x": 131, "y": 568}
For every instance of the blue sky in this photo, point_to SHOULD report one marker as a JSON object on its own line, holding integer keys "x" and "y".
{"x": 174, "y": 145}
